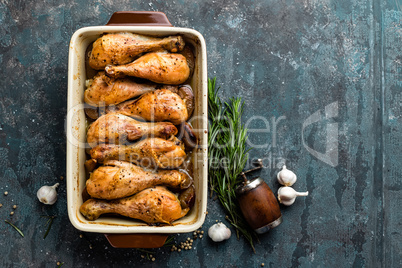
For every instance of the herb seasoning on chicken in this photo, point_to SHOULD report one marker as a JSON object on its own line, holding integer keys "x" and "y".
{"x": 122, "y": 48}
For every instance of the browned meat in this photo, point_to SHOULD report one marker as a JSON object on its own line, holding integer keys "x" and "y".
{"x": 150, "y": 152}
{"x": 118, "y": 129}
{"x": 159, "y": 105}
{"x": 122, "y": 48}
{"x": 104, "y": 91}
{"x": 152, "y": 205}
{"x": 117, "y": 179}
{"x": 159, "y": 67}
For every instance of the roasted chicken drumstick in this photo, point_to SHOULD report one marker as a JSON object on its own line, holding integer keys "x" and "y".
{"x": 117, "y": 128}
{"x": 104, "y": 91}
{"x": 152, "y": 205}
{"x": 159, "y": 105}
{"x": 159, "y": 67}
{"x": 150, "y": 152}
{"x": 118, "y": 179}
{"x": 122, "y": 48}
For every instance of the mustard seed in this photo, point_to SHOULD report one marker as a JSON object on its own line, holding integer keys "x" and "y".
{"x": 262, "y": 264}
{"x": 15, "y": 206}
{"x": 153, "y": 259}
{"x": 5, "y": 193}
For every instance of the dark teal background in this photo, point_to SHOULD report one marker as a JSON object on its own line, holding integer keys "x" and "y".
{"x": 286, "y": 59}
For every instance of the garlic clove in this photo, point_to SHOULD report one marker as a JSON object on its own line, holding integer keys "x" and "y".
{"x": 47, "y": 194}
{"x": 219, "y": 232}
{"x": 287, "y": 195}
{"x": 286, "y": 177}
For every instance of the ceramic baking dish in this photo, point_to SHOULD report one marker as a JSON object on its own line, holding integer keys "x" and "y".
{"x": 147, "y": 23}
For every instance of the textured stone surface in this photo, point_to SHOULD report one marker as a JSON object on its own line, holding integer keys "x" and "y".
{"x": 287, "y": 60}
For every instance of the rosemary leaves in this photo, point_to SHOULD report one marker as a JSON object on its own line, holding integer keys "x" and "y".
{"x": 227, "y": 155}
{"x": 15, "y": 227}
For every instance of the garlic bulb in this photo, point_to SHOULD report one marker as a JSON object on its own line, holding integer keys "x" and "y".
{"x": 219, "y": 232}
{"x": 287, "y": 195}
{"x": 47, "y": 194}
{"x": 286, "y": 177}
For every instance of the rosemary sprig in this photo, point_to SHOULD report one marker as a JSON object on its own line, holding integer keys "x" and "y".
{"x": 48, "y": 224}
{"x": 227, "y": 156}
{"x": 169, "y": 241}
{"x": 15, "y": 227}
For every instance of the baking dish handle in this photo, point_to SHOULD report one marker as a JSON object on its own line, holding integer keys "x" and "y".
{"x": 139, "y": 18}
{"x": 136, "y": 240}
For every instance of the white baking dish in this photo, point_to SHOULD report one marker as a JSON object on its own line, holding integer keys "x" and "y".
{"x": 76, "y": 133}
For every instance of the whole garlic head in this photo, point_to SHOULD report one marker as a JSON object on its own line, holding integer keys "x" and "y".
{"x": 47, "y": 194}
{"x": 219, "y": 232}
{"x": 286, "y": 177}
{"x": 287, "y": 195}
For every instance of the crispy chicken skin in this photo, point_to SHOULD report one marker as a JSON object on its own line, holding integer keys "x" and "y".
{"x": 159, "y": 105}
{"x": 104, "y": 91}
{"x": 122, "y": 48}
{"x": 158, "y": 67}
{"x": 152, "y": 205}
{"x": 118, "y": 129}
{"x": 150, "y": 152}
{"x": 118, "y": 179}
